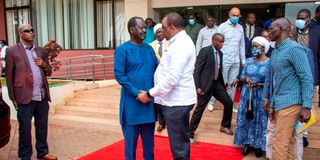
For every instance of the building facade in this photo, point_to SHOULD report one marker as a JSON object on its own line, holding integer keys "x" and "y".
{"x": 101, "y": 24}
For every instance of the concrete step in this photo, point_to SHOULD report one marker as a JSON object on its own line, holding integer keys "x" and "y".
{"x": 86, "y": 122}
{"x": 95, "y": 112}
{"x": 97, "y": 95}
{"x": 95, "y": 100}
{"x": 91, "y": 104}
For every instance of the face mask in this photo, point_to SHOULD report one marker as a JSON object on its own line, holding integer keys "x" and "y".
{"x": 256, "y": 52}
{"x": 300, "y": 24}
{"x": 234, "y": 20}
{"x": 191, "y": 21}
{"x": 1, "y": 45}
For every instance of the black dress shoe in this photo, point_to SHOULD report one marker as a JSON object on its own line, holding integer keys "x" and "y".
{"x": 246, "y": 150}
{"x": 259, "y": 153}
{"x": 305, "y": 142}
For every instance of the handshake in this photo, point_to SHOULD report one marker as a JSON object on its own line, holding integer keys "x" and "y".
{"x": 143, "y": 97}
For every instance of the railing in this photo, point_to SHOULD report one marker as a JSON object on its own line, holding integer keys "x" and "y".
{"x": 88, "y": 67}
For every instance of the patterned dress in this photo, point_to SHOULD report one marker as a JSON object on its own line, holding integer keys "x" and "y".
{"x": 252, "y": 132}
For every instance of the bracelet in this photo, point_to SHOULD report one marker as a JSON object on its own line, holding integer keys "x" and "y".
{"x": 149, "y": 95}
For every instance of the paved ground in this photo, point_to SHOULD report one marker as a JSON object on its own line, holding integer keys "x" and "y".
{"x": 71, "y": 140}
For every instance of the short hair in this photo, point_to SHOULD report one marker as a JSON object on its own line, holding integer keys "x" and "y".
{"x": 211, "y": 18}
{"x": 305, "y": 11}
{"x": 216, "y": 35}
{"x": 148, "y": 19}
{"x": 317, "y": 9}
{"x": 3, "y": 42}
{"x": 283, "y": 23}
{"x": 174, "y": 19}
{"x": 133, "y": 22}
{"x": 251, "y": 13}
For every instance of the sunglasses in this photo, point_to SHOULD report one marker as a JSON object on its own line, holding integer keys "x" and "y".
{"x": 28, "y": 30}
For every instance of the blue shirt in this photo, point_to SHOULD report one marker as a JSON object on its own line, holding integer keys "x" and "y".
{"x": 293, "y": 78}
{"x": 38, "y": 91}
{"x": 134, "y": 67}
{"x": 150, "y": 36}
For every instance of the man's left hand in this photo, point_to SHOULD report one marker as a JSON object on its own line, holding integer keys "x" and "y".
{"x": 143, "y": 97}
{"x": 40, "y": 62}
{"x": 305, "y": 115}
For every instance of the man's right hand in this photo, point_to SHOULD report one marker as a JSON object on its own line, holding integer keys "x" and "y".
{"x": 272, "y": 114}
{"x": 266, "y": 105}
{"x": 199, "y": 92}
{"x": 15, "y": 104}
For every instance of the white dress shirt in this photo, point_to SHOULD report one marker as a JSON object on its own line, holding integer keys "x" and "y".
{"x": 234, "y": 46}
{"x": 174, "y": 83}
{"x": 205, "y": 37}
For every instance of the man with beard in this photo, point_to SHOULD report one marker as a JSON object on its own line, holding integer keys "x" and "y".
{"x": 134, "y": 65}
{"x": 288, "y": 104}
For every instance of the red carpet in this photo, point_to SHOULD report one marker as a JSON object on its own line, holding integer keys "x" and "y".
{"x": 200, "y": 151}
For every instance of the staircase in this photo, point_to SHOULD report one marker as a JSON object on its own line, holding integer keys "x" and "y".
{"x": 94, "y": 109}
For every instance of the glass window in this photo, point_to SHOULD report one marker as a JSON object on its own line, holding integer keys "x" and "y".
{"x": 107, "y": 27}
{"x": 17, "y": 3}
{"x": 70, "y": 22}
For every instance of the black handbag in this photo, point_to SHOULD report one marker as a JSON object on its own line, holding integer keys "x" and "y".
{"x": 249, "y": 114}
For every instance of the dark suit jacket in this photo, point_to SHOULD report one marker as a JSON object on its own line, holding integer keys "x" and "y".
{"x": 248, "y": 42}
{"x": 204, "y": 69}
{"x": 314, "y": 45}
{"x": 19, "y": 74}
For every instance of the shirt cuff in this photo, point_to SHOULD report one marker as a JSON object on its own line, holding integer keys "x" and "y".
{"x": 152, "y": 91}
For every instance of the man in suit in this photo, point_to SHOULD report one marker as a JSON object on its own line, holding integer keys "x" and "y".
{"x": 209, "y": 82}
{"x": 27, "y": 68}
{"x": 251, "y": 30}
{"x": 160, "y": 47}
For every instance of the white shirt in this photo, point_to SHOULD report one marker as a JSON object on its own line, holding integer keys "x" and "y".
{"x": 250, "y": 33}
{"x": 3, "y": 55}
{"x": 234, "y": 46}
{"x": 174, "y": 83}
{"x": 205, "y": 37}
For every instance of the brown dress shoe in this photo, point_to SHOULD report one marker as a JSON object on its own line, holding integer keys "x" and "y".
{"x": 49, "y": 157}
{"x": 226, "y": 130}
{"x": 160, "y": 128}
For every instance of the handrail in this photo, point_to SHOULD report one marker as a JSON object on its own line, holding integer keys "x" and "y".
{"x": 85, "y": 67}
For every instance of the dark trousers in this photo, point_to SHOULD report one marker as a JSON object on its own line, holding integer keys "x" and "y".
{"x": 177, "y": 119}
{"x": 219, "y": 92}
{"x": 160, "y": 115}
{"x": 39, "y": 110}
{"x": 131, "y": 134}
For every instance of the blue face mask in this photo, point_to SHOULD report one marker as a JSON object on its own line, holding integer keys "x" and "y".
{"x": 301, "y": 24}
{"x": 234, "y": 20}
{"x": 256, "y": 52}
{"x": 191, "y": 21}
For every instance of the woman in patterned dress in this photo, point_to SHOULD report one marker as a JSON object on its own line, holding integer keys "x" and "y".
{"x": 251, "y": 132}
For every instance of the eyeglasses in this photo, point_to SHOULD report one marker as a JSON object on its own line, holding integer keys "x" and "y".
{"x": 28, "y": 30}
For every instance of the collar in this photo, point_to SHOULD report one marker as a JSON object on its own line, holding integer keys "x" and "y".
{"x": 300, "y": 32}
{"x": 283, "y": 43}
{"x": 160, "y": 41}
{"x": 29, "y": 48}
{"x": 175, "y": 36}
{"x": 214, "y": 27}
{"x": 248, "y": 25}
{"x": 214, "y": 50}
{"x": 314, "y": 19}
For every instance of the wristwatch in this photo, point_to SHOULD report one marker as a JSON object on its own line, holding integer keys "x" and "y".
{"x": 149, "y": 95}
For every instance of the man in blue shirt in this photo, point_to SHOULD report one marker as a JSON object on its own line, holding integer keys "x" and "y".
{"x": 134, "y": 65}
{"x": 292, "y": 87}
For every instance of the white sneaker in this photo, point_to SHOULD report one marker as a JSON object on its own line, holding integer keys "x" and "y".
{"x": 210, "y": 107}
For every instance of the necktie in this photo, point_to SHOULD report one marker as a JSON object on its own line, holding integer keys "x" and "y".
{"x": 216, "y": 70}
{"x": 160, "y": 49}
{"x": 249, "y": 32}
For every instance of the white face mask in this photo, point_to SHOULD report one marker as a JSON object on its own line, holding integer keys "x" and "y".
{"x": 301, "y": 24}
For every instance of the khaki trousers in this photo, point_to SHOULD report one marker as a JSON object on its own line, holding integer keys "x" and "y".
{"x": 282, "y": 148}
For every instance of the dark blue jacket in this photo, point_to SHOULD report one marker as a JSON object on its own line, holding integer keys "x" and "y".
{"x": 248, "y": 42}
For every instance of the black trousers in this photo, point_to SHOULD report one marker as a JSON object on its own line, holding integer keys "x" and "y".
{"x": 39, "y": 110}
{"x": 177, "y": 118}
{"x": 159, "y": 115}
{"x": 219, "y": 92}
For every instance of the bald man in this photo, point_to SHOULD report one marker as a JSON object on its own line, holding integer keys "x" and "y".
{"x": 233, "y": 50}
{"x": 288, "y": 104}
{"x": 27, "y": 68}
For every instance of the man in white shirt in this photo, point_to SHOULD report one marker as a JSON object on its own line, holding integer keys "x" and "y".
{"x": 233, "y": 49}
{"x": 206, "y": 33}
{"x": 174, "y": 88}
